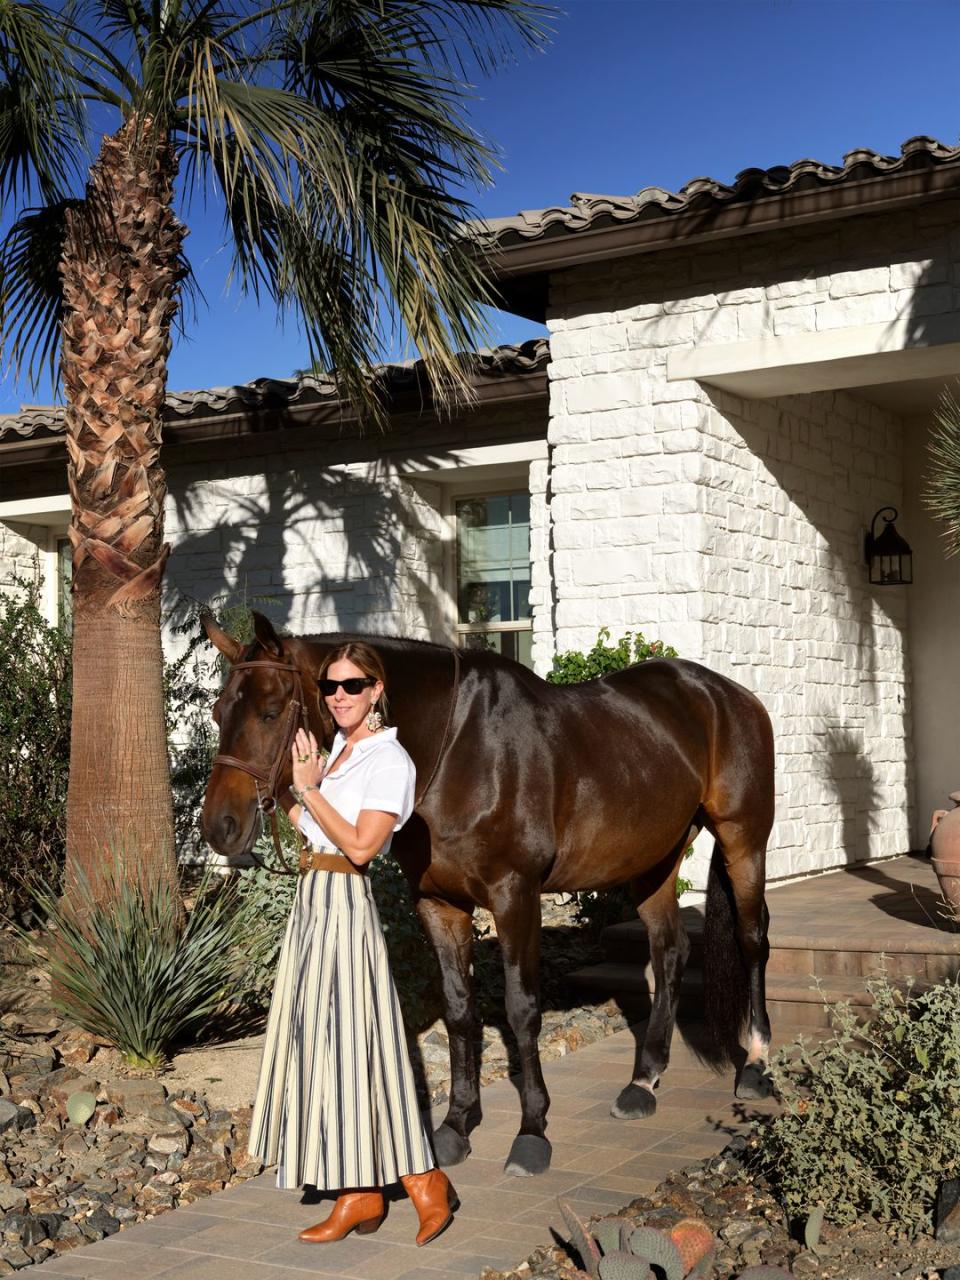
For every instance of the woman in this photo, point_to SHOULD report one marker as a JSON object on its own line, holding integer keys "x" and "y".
{"x": 336, "y": 1102}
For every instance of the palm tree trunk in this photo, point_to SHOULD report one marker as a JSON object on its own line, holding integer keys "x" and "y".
{"x": 121, "y": 270}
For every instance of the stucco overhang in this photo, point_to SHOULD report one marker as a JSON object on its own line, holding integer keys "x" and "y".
{"x": 507, "y": 374}
{"x": 901, "y": 351}
{"x": 524, "y": 249}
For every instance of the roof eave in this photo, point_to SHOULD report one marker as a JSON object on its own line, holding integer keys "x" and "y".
{"x": 522, "y": 259}
{"x": 190, "y": 430}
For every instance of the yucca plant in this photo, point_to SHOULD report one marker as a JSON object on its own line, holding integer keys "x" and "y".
{"x": 942, "y": 494}
{"x": 128, "y": 963}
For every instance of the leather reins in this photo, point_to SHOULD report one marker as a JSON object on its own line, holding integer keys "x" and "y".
{"x": 297, "y": 712}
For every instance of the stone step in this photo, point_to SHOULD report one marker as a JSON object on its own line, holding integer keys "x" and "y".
{"x": 627, "y": 942}
{"x": 824, "y": 962}
{"x": 792, "y": 999}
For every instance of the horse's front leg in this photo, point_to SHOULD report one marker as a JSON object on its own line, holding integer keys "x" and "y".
{"x": 516, "y": 909}
{"x": 450, "y": 929}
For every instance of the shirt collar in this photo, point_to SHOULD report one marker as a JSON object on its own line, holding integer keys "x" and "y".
{"x": 365, "y": 744}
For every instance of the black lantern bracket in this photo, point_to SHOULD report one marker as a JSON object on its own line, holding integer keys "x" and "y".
{"x": 888, "y": 555}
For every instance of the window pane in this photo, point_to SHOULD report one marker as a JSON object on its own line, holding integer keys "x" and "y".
{"x": 493, "y": 558}
{"x": 512, "y": 644}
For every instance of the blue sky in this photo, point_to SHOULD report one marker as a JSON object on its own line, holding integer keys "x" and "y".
{"x": 635, "y": 93}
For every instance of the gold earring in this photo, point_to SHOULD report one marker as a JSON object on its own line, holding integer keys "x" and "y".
{"x": 374, "y": 721}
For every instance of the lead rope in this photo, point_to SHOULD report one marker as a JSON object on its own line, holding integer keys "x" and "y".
{"x": 446, "y": 728}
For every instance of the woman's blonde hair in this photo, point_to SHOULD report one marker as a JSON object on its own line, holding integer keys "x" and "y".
{"x": 367, "y": 659}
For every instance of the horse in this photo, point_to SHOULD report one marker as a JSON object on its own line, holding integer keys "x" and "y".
{"x": 525, "y": 788}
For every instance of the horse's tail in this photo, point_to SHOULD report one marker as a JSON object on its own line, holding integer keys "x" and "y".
{"x": 725, "y": 980}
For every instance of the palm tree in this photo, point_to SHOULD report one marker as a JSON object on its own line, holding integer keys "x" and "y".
{"x": 333, "y": 134}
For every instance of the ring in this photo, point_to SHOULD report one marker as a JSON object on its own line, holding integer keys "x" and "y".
{"x": 303, "y": 759}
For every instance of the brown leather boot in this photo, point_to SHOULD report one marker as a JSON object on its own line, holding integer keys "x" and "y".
{"x": 434, "y": 1200}
{"x": 360, "y": 1211}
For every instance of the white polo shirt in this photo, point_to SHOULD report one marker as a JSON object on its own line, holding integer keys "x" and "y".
{"x": 378, "y": 775}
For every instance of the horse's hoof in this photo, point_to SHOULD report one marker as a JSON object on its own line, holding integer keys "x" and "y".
{"x": 449, "y": 1147}
{"x": 634, "y": 1103}
{"x": 755, "y": 1082}
{"x": 529, "y": 1155}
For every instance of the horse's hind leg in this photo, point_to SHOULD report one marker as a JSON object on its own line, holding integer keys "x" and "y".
{"x": 669, "y": 948}
{"x": 744, "y": 860}
{"x": 450, "y": 929}
{"x": 516, "y": 909}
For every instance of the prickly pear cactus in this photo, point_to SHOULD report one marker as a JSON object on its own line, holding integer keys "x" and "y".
{"x": 582, "y": 1240}
{"x": 620, "y": 1265}
{"x": 657, "y": 1249}
{"x": 697, "y": 1246}
{"x": 608, "y": 1233}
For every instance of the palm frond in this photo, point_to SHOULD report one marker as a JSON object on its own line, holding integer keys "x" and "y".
{"x": 942, "y": 489}
{"x": 31, "y": 299}
{"x": 41, "y": 121}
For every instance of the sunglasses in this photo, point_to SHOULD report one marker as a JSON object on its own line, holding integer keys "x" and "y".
{"x": 353, "y": 685}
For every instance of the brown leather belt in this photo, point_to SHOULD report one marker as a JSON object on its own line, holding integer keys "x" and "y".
{"x": 311, "y": 861}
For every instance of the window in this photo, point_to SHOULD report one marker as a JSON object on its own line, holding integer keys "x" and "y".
{"x": 493, "y": 574}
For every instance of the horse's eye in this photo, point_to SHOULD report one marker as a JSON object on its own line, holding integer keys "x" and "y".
{"x": 269, "y": 715}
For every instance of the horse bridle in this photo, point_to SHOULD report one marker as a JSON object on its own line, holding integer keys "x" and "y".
{"x": 267, "y": 800}
{"x": 297, "y": 710}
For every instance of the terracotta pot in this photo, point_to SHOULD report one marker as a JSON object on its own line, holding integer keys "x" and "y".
{"x": 945, "y": 855}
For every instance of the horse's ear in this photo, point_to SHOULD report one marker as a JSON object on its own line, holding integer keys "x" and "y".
{"x": 266, "y": 636}
{"x": 231, "y": 649}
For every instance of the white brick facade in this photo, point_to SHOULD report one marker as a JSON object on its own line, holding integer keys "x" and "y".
{"x": 732, "y": 528}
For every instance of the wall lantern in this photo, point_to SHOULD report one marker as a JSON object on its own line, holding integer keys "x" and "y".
{"x": 888, "y": 555}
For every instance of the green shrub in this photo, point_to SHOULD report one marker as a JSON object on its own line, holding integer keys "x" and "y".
{"x": 574, "y": 667}
{"x": 35, "y": 685}
{"x": 598, "y": 908}
{"x": 129, "y": 963}
{"x": 871, "y": 1116}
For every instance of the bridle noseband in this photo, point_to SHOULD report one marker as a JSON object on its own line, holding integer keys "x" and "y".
{"x": 267, "y": 799}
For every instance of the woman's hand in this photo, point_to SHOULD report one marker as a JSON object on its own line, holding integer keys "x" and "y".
{"x": 306, "y": 760}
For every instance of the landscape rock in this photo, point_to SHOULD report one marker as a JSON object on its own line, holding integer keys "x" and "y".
{"x": 14, "y": 1117}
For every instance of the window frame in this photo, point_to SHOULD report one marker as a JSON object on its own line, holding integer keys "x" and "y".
{"x": 502, "y": 486}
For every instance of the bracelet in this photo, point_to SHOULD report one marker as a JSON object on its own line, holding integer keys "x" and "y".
{"x": 299, "y": 795}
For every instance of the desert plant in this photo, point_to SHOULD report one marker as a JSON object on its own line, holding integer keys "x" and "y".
{"x": 942, "y": 490}
{"x": 617, "y": 1249}
{"x": 128, "y": 964}
{"x": 597, "y": 909}
{"x": 869, "y": 1118}
{"x": 34, "y": 744}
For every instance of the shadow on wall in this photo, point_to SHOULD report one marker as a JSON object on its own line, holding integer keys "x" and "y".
{"x": 841, "y": 642}
{"x": 850, "y": 776}
{"x": 318, "y": 547}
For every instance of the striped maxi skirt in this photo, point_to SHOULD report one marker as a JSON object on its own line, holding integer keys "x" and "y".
{"x": 336, "y": 1102}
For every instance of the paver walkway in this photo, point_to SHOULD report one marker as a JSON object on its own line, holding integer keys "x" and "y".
{"x": 599, "y": 1164}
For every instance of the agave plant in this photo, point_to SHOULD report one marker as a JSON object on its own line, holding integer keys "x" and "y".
{"x": 128, "y": 964}
{"x": 942, "y": 494}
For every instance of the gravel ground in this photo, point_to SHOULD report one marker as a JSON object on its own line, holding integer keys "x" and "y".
{"x": 750, "y": 1229}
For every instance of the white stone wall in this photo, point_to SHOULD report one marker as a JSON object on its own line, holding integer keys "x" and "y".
{"x": 21, "y": 552}
{"x": 732, "y": 529}
{"x": 327, "y": 535}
